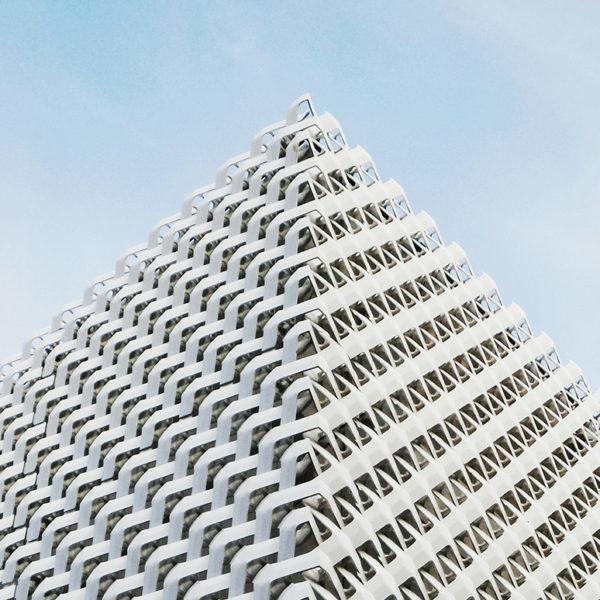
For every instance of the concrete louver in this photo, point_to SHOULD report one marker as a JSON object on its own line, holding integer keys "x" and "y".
{"x": 296, "y": 390}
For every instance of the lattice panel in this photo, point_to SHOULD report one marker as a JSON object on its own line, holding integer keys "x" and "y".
{"x": 296, "y": 390}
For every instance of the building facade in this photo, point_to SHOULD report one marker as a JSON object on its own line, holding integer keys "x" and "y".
{"x": 296, "y": 390}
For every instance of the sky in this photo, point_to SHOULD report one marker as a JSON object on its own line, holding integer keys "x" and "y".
{"x": 485, "y": 111}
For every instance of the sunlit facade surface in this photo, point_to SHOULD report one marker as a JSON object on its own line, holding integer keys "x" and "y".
{"x": 296, "y": 390}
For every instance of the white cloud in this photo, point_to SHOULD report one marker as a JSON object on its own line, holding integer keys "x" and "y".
{"x": 551, "y": 47}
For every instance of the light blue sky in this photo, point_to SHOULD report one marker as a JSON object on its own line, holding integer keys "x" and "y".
{"x": 486, "y": 111}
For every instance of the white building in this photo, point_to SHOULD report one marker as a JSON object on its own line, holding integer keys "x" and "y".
{"x": 296, "y": 390}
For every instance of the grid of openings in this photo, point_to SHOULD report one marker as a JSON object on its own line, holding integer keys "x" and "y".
{"x": 296, "y": 390}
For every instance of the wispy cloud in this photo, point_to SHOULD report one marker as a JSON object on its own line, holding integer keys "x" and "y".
{"x": 553, "y": 54}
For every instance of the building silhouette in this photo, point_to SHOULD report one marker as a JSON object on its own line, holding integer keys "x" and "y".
{"x": 296, "y": 390}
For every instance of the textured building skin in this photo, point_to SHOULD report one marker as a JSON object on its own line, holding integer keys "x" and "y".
{"x": 296, "y": 390}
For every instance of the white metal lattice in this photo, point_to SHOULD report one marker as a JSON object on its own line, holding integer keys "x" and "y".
{"x": 296, "y": 390}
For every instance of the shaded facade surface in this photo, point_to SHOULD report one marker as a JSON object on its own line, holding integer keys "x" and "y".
{"x": 296, "y": 390}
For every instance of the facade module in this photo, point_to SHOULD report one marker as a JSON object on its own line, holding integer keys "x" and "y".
{"x": 296, "y": 390}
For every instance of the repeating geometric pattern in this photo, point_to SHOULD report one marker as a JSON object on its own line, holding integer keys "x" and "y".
{"x": 296, "y": 390}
